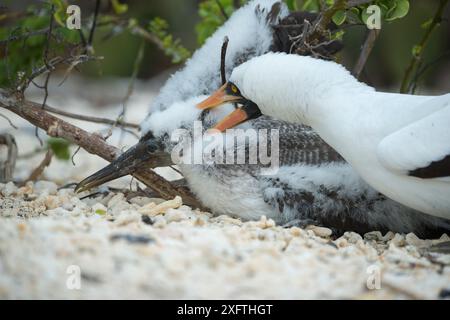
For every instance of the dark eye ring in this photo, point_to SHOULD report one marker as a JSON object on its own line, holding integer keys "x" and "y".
{"x": 151, "y": 147}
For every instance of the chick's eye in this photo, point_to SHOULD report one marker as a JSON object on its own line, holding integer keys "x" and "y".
{"x": 151, "y": 147}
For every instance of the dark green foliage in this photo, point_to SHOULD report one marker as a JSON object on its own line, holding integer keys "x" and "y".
{"x": 26, "y": 50}
{"x": 60, "y": 148}
{"x": 172, "y": 47}
{"x": 212, "y": 15}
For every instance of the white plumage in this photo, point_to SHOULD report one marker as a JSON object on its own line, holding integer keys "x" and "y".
{"x": 386, "y": 137}
{"x": 322, "y": 190}
{"x": 250, "y": 34}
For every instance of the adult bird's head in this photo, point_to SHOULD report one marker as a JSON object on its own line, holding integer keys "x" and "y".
{"x": 230, "y": 93}
{"x": 286, "y": 87}
{"x": 148, "y": 152}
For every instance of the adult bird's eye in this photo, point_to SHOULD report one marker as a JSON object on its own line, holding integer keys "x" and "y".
{"x": 234, "y": 88}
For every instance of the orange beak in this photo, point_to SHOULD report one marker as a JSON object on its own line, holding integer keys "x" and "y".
{"x": 217, "y": 98}
{"x": 233, "y": 119}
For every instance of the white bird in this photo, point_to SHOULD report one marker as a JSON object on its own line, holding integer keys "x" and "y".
{"x": 398, "y": 143}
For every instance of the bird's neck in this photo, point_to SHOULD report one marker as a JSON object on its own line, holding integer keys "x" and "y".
{"x": 303, "y": 89}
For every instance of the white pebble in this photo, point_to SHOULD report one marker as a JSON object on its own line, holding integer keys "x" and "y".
{"x": 153, "y": 210}
{"x": 175, "y": 215}
{"x": 8, "y": 189}
{"x": 45, "y": 187}
{"x": 322, "y": 231}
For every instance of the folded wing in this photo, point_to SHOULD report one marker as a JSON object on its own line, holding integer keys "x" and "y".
{"x": 421, "y": 149}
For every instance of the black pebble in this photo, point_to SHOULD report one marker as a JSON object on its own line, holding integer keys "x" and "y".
{"x": 147, "y": 220}
{"x": 132, "y": 238}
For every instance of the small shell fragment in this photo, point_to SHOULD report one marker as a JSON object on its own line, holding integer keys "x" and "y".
{"x": 152, "y": 210}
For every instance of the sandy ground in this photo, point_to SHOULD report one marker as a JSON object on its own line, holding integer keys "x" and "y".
{"x": 54, "y": 244}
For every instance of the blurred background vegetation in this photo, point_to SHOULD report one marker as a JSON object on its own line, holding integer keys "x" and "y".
{"x": 182, "y": 26}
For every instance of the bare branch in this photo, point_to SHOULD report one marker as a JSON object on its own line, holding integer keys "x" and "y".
{"x": 9, "y": 121}
{"x": 94, "y": 24}
{"x": 7, "y": 167}
{"x": 91, "y": 119}
{"x": 37, "y": 172}
{"x": 24, "y": 35}
{"x": 223, "y": 54}
{"x": 356, "y": 3}
{"x": 372, "y": 35}
{"x": 417, "y": 55}
{"x": 92, "y": 143}
{"x": 52, "y": 64}
{"x": 49, "y": 34}
{"x": 137, "y": 64}
{"x": 73, "y": 155}
{"x": 222, "y": 9}
{"x": 420, "y": 71}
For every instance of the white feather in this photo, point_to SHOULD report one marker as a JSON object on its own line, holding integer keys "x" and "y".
{"x": 355, "y": 119}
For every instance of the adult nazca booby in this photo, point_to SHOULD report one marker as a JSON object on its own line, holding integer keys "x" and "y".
{"x": 398, "y": 143}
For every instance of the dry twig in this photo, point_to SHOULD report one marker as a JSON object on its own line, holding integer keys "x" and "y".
{"x": 223, "y": 54}
{"x": 37, "y": 172}
{"x": 417, "y": 55}
{"x": 372, "y": 35}
{"x": 92, "y": 143}
{"x": 7, "y": 166}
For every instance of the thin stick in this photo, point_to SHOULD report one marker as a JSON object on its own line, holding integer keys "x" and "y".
{"x": 417, "y": 57}
{"x": 37, "y": 172}
{"x": 222, "y": 9}
{"x": 92, "y": 143}
{"x": 223, "y": 54}
{"x": 9, "y": 121}
{"x": 356, "y": 3}
{"x": 94, "y": 24}
{"x": 420, "y": 71}
{"x": 25, "y": 35}
{"x": 91, "y": 119}
{"x": 365, "y": 52}
{"x": 7, "y": 167}
{"x": 49, "y": 34}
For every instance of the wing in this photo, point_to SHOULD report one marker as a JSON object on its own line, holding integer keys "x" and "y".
{"x": 335, "y": 196}
{"x": 421, "y": 149}
{"x": 298, "y": 144}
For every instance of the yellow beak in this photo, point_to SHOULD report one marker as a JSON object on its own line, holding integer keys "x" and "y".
{"x": 217, "y": 98}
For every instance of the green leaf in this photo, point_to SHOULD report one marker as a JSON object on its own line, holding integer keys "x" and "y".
{"x": 426, "y": 24}
{"x": 119, "y": 8}
{"x": 398, "y": 11}
{"x": 172, "y": 47}
{"x": 211, "y": 17}
{"x": 338, "y": 35}
{"x": 60, "y": 148}
{"x": 100, "y": 212}
{"x": 311, "y": 5}
{"x": 416, "y": 50}
{"x": 364, "y": 15}
{"x": 339, "y": 17}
